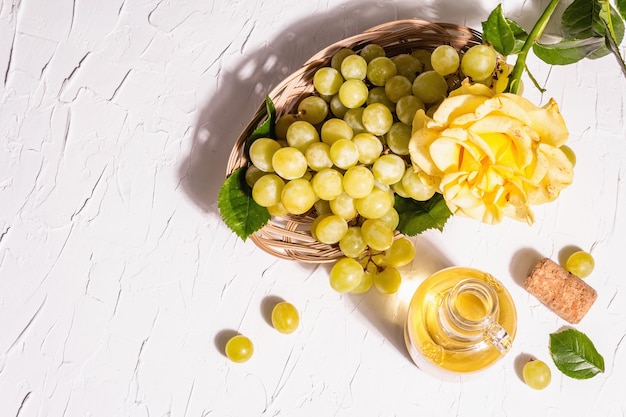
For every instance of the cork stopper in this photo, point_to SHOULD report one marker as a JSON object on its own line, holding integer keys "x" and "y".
{"x": 562, "y": 292}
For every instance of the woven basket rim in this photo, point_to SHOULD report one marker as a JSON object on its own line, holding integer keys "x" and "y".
{"x": 289, "y": 237}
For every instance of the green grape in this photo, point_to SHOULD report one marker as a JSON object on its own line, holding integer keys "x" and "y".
{"x": 380, "y": 69}
{"x": 354, "y": 118}
{"x": 267, "y": 190}
{"x": 423, "y": 56}
{"x": 479, "y": 62}
{"x": 327, "y": 81}
{"x": 345, "y": 275}
{"x": 282, "y": 124}
{"x": 398, "y": 188}
{"x": 569, "y": 153}
{"x": 367, "y": 281}
{"x": 418, "y": 185}
{"x": 377, "y": 119}
{"x": 331, "y": 229}
{"x": 344, "y": 206}
{"x": 397, "y": 87}
{"x": 285, "y": 317}
{"x": 337, "y": 59}
{"x": 298, "y": 196}
{"x": 261, "y": 153}
{"x": 536, "y": 374}
{"x": 334, "y": 129}
{"x": 445, "y": 60}
{"x": 369, "y": 146}
{"x": 289, "y": 163}
{"x": 353, "y": 93}
{"x": 407, "y": 65}
{"x": 378, "y": 95}
{"x": 388, "y": 280}
{"x": 301, "y": 134}
{"x": 322, "y": 207}
{"x": 315, "y": 222}
{"x": 336, "y": 106}
{"x": 327, "y": 184}
{"x": 278, "y": 210}
{"x": 398, "y": 138}
{"x": 352, "y": 244}
{"x": 406, "y": 108}
{"x": 374, "y": 205}
{"x": 430, "y": 87}
{"x": 354, "y": 67}
{"x": 252, "y": 175}
{"x": 388, "y": 169}
{"x": 239, "y": 348}
{"x": 377, "y": 234}
{"x": 580, "y": 263}
{"x": 371, "y": 51}
{"x": 318, "y": 156}
{"x": 392, "y": 218}
{"x": 344, "y": 153}
{"x": 401, "y": 253}
{"x": 313, "y": 109}
{"x": 358, "y": 181}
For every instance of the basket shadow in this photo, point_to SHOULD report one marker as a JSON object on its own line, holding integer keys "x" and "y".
{"x": 242, "y": 90}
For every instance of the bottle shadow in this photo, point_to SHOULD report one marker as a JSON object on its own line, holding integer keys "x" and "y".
{"x": 388, "y": 312}
{"x": 242, "y": 89}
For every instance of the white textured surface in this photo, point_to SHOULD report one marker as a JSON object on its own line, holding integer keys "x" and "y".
{"x": 119, "y": 284}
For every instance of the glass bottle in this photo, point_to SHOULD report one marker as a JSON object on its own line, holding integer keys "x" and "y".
{"x": 459, "y": 321}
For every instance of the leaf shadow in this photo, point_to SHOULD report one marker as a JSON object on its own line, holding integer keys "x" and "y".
{"x": 242, "y": 88}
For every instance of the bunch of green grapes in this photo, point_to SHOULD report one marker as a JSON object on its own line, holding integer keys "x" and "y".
{"x": 343, "y": 155}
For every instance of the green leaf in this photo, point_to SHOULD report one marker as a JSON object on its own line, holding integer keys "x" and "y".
{"x": 506, "y": 36}
{"x": 419, "y": 216}
{"x": 237, "y": 208}
{"x": 575, "y": 355}
{"x": 266, "y": 129}
{"x": 567, "y": 51}
{"x": 621, "y": 7}
{"x": 581, "y": 20}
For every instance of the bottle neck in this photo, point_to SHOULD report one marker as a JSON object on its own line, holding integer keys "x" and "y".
{"x": 469, "y": 314}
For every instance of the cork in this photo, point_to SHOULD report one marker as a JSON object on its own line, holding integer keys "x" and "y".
{"x": 562, "y": 292}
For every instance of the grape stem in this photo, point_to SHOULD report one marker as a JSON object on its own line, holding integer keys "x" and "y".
{"x": 535, "y": 33}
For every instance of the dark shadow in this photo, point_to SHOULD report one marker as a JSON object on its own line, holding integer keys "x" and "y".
{"x": 242, "y": 89}
{"x": 566, "y": 252}
{"x": 521, "y": 360}
{"x": 522, "y": 264}
{"x": 222, "y": 337}
{"x": 387, "y": 312}
{"x": 267, "y": 305}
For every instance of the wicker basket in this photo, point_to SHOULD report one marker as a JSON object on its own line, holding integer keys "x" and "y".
{"x": 289, "y": 237}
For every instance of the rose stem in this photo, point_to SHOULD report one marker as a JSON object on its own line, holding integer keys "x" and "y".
{"x": 535, "y": 33}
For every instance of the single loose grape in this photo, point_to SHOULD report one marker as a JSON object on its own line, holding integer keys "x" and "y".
{"x": 285, "y": 317}
{"x": 401, "y": 252}
{"x": 338, "y": 57}
{"x": 580, "y": 263}
{"x": 358, "y": 181}
{"x": 290, "y": 163}
{"x": 298, "y": 196}
{"x": 407, "y": 65}
{"x": 398, "y": 137}
{"x": 267, "y": 190}
{"x": 343, "y": 206}
{"x": 369, "y": 146}
{"x": 389, "y": 168}
{"x": 331, "y": 229}
{"x": 239, "y": 348}
{"x": 327, "y": 184}
{"x": 318, "y": 156}
{"x": 301, "y": 134}
{"x": 344, "y": 153}
{"x": 313, "y": 109}
{"x": 371, "y": 51}
{"x": 430, "y": 87}
{"x": 397, "y": 87}
{"x": 536, "y": 374}
{"x": 354, "y": 118}
{"x": 354, "y": 67}
{"x": 406, "y": 108}
{"x": 346, "y": 275}
{"x": 334, "y": 129}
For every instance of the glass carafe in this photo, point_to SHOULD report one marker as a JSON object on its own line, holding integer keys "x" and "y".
{"x": 459, "y": 321}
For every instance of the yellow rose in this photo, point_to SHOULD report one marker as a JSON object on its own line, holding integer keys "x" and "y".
{"x": 492, "y": 155}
